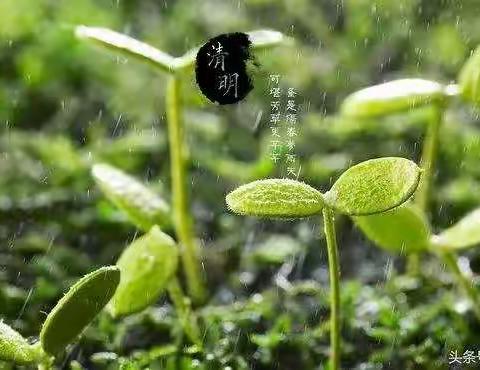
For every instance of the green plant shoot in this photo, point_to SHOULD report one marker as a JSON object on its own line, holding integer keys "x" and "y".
{"x": 370, "y": 187}
{"x": 148, "y": 265}
{"x": 176, "y": 68}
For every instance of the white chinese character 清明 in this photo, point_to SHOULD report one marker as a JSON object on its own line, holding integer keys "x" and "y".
{"x": 218, "y": 56}
{"x": 229, "y": 82}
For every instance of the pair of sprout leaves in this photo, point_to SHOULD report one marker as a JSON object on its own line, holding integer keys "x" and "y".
{"x": 371, "y": 187}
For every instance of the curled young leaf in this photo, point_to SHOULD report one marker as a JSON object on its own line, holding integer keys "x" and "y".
{"x": 143, "y": 207}
{"x": 392, "y": 97}
{"x": 146, "y": 267}
{"x": 374, "y": 186}
{"x": 15, "y": 348}
{"x": 465, "y": 233}
{"x": 77, "y": 308}
{"x": 127, "y": 46}
{"x": 404, "y": 229}
{"x": 275, "y": 198}
{"x": 469, "y": 78}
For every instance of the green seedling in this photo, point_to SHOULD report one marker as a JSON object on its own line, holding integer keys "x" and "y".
{"x": 402, "y": 95}
{"x": 149, "y": 264}
{"x": 406, "y": 230}
{"x": 67, "y": 320}
{"x": 370, "y": 187}
{"x": 176, "y": 68}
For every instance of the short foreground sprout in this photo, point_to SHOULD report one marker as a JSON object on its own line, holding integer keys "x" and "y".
{"x": 67, "y": 320}
{"x": 370, "y": 187}
{"x": 406, "y": 230}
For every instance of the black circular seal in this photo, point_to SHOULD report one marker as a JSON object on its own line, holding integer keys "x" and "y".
{"x": 221, "y": 68}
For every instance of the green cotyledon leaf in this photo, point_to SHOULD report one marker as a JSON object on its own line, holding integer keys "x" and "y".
{"x": 374, "y": 186}
{"x": 283, "y": 198}
{"x": 146, "y": 266}
{"x": 127, "y": 46}
{"x": 15, "y": 348}
{"x": 404, "y": 229}
{"x": 77, "y": 308}
{"x": 465, "y": 233}
{"x": 143, "y": 207}
{"x": 392, "y": 97}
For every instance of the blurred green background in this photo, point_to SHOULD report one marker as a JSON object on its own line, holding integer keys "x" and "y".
{"x": 65, "y": 105}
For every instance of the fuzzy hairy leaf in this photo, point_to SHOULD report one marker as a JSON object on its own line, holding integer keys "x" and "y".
{"x": 146, "y": 266}
{"x": 469, "y": 78}
{"x": 15, "y": 348}
{"x": 404, "y": 229}
{"x": 143, "y": 207}
{"x": 275, "y": 198}
{"x": 392, "y": 97}
{"x": 465, "y": 233}
{"x": 127, "y": 46}
{"x": 374, "y": 186}
{"x": 78, "y": 307}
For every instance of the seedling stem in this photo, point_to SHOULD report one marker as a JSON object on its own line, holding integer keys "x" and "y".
{"x": 181, "y": 216}
{"x": 334, "y": 271}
